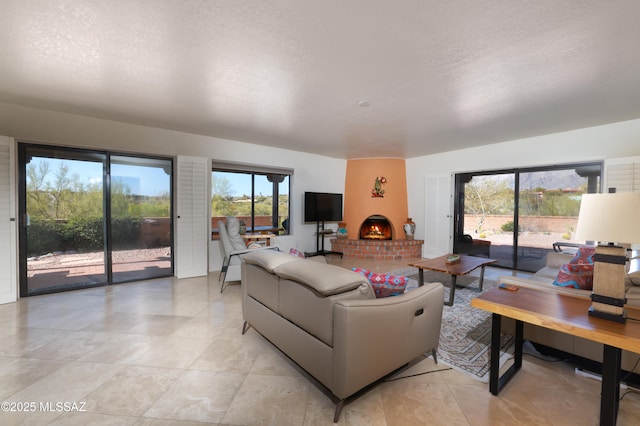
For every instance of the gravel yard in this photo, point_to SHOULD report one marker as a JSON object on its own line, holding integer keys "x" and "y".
{"x": 62, "y": 260}
{"x": 61, "y": 271}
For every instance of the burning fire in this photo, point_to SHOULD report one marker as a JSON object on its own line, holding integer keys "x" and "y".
{"x": 374, "y": 232}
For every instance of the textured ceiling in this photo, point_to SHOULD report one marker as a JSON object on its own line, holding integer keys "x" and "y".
{"x": 438, "y": 75}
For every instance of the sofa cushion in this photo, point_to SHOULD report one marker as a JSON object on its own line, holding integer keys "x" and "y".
{"x": 633, "y": 270}
{"x": 633, "y": 296}
{"x": 385, "y": 285}
{"x": 322, "y": 278}
{"x": 268, "y": 259}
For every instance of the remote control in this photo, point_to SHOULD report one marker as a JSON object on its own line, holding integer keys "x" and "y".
{"x": 509, "y": 287}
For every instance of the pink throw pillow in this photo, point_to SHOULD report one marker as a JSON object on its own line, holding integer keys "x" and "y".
{"x": 575, "y": 275}
{"x": 385, "y": 285}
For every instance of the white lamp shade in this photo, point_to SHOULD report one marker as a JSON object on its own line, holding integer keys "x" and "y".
{"x": 610, "y": 218}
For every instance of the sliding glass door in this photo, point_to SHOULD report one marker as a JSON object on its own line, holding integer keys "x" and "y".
{"x": 63, "y": 224}
{"x": 518, "y": 216}
{"x": 140, "y": 218}
{"x": 91, "y": 218}
{"x": 548, "y": 207}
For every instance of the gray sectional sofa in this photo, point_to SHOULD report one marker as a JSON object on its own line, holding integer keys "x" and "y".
{"x": 543, "y": 280}
{"x": 328, "y": 321}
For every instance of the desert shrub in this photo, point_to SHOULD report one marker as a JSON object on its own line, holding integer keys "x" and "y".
{"x": 124, "y": 231}
{"x": 508, "y": 226}
{"x": 84, "y": 234}
{"x": 81, "y": 234}
{"x": 43, "y": 236}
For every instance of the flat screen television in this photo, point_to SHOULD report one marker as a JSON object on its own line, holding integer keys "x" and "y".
{"x": 322, "y": 207}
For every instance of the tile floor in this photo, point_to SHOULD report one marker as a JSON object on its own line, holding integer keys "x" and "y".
{"x": 170, "y": 352}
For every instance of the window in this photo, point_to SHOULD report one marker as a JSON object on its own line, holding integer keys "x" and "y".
{"x": 517, "y": 216}
{"x": 257, "y": 195}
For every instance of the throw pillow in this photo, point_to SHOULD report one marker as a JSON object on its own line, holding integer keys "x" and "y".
{"x": 584, "y": 255}
{"x": 296, "y": 252}
{"x": 233, "y": 230}
{"x": 575, "y": 275}
{"x": 361, "y": 271}
{"x": 385, "y": 285}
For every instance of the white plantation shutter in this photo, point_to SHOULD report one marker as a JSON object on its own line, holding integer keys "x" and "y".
{"x": 8, "y": 283}
{"x": 624, "y": 177}
{"x": 193, "y": 219}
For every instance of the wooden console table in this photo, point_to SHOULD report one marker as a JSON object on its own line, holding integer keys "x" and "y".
{"x": 568, "y": 315}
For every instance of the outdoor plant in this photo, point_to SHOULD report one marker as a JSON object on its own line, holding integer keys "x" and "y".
{"x": 80, "y": 233}
{"x": 507, "y": 226}
{"x": 567, "y": 235}
{"x": 43, "y": 236}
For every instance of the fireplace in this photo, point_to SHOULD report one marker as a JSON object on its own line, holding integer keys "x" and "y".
{"x": 376, "y": 227}
{"x": 373, "y": 215}
{"x": 376, "y": 242}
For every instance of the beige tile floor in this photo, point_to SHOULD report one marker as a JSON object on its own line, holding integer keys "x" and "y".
{"x": 170, "y": 352}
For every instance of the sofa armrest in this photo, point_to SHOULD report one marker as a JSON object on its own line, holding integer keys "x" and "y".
{"x": 372, "y": 338}
{"x": 239, "y": 253}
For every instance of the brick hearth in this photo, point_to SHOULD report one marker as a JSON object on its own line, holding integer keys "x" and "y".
{"x": 378, "y": 249}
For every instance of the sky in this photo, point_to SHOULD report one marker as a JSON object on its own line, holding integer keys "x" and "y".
{"x": 150, "y": 181}
{"x": 240, "y": 184}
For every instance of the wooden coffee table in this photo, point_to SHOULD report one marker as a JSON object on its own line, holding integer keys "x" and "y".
{"x": 439, "y": 264}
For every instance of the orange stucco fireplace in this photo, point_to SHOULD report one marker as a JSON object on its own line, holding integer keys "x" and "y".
{"x": 375, "y": 209}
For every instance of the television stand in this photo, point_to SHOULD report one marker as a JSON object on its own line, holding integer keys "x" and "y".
{"x": 320, "y": 234}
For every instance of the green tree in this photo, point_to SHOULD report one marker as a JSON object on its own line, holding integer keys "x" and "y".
{"x": 37, "y": 197}
{"x": 488, "y": 195}
{"x": 50, "y": 198}
{"x": 221, "y": 199}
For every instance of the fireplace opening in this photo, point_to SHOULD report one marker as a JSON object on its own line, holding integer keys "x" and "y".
{"x": 376, "y": 227}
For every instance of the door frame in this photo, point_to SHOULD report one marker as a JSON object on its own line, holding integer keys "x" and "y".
{"x": 22, "y": 147}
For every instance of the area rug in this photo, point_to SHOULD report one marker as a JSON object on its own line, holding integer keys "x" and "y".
{"x": 465, "y": 335}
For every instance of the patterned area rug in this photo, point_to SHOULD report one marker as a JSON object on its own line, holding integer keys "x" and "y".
{"x": 465, "y": 336}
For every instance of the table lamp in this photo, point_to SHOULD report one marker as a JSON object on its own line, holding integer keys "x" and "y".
{"x": 610, "y": 220}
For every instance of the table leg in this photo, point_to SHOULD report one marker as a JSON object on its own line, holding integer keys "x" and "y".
{"x": 481, "y": 277}
{"x": 497, "y": 382}
{"x": 452, "y": 291}
{"x": 420, "y": 277}
{"x": 610, "y": 394}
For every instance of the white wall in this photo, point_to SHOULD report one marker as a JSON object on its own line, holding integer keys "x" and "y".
{"x": 311, "y": 172}
{"x": 588, "y": 144}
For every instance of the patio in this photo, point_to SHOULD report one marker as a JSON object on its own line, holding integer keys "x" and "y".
{"x": 58, "y": 271}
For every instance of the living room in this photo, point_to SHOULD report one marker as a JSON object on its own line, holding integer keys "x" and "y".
{"x": 621, "y": 139}
{"x": 133, "y": 352}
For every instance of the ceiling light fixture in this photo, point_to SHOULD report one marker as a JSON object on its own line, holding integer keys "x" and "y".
{"x": 364, "y": 103}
